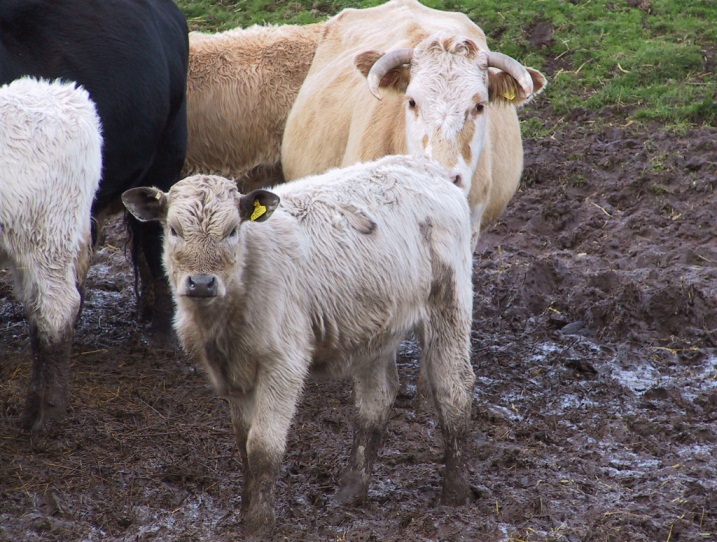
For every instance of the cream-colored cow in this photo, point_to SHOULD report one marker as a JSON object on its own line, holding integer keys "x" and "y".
{"x": 348, "y": 264}
{"x": 404, "y": 78}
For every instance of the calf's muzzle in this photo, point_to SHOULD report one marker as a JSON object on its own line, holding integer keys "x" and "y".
{"x": 202, "y": 285}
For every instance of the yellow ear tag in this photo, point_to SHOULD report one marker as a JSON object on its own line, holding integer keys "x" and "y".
{"x": 158, "y": 196}
{"x": 259, "y": 210}
{"x": 509, "y": 94}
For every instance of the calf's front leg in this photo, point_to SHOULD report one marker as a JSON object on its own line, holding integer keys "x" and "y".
{"x": 241, "y": 413}
{"x": 261, "y": 425}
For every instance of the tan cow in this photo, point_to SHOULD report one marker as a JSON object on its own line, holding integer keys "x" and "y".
{"x": 240, "y": 88}
{"x": 404, "y": 78}
{"x": 346, "y": 266}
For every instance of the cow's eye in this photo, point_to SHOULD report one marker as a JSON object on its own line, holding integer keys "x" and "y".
{"x": 172, "y": 232}
{"x": 234, "y": 232}
{"x": 478, "y": 109}
{"x": 411, "y": 103}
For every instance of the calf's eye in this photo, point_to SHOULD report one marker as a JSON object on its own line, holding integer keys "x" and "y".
{"x": 478, "y": 108}
{"x": 412, "y": 103}
{"x": 172, "y": 232}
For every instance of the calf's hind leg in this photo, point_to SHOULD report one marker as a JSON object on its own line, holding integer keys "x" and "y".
{"x": 375, "y": 389}
{"x": 446, "y": 358}
{"x": 51, "y": 299}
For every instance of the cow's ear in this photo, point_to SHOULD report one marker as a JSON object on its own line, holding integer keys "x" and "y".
{"x": 258, "y": 205}
{"x": 504, "y": 88}
{"x": 146, "y": 204}
{"x": 396, "y": 79}
{"x": 365, "y": 61}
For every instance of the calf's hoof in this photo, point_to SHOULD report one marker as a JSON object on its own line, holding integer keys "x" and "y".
{"x": 259, "y": 523}
{"x": 353, "y": 490}
{"x": 42, "y": 417}
{"x": 456, "y": 491}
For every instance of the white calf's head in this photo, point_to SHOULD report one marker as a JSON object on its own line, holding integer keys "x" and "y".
{"x": 202, "y": 217}
{"x": 447, "y": 86}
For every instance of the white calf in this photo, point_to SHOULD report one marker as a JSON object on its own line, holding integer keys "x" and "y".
{"x": 51, "y": 161}
{"x": 347, "y": 265}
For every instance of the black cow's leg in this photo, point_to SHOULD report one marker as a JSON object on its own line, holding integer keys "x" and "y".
{"x": 375, "y": 388}
{"x": 155, "y": 301}
{"x": 155, "y": 298}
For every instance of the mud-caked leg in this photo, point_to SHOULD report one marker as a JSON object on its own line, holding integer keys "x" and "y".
{"x": 375, "y": 389}
{"x": 262, "y": 426}
{"x": 52, "y": 303}
{"x": 46, "y": 401}
{"x": 155, "y": 299}
{"x": 446, "y": 356}
{"x": 241, "y": 416}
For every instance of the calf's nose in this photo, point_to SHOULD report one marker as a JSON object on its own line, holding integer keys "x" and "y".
{"x": 202, "y": 285}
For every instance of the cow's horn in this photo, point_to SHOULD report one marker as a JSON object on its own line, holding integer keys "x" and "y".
{"x": 385, "y": 64}
{"x": 513, "y": 67}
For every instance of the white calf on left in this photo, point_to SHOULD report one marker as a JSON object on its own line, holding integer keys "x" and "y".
{"x": 50, "y": 168}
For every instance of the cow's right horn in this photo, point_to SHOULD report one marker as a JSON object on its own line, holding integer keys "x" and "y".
{"x": 384, "y": 65}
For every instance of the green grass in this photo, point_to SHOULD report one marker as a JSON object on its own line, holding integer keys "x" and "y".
{"x": 534, "y": 127}
{"x": 651, "y": 61}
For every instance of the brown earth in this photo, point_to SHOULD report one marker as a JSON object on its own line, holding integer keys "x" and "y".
{"x": 595, "y": 411}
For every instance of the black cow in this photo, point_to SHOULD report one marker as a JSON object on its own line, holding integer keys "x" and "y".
{"x": 132, "y": 57}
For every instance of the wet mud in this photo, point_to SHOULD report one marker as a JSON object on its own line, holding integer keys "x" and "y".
{"x": 595, "y": 408}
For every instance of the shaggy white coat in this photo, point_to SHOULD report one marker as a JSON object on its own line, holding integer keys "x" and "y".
{"x": 51, "y": 162}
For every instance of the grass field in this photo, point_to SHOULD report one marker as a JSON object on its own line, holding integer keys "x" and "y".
{"x": 646, "y": 60}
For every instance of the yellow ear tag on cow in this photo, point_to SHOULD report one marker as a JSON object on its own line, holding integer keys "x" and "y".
{"x": 509, "y": 94}
{"x": 158, "y": 196}
{"x": 259, "y": 210}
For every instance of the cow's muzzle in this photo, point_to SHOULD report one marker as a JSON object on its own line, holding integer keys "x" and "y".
{"x": 202, "y": 285}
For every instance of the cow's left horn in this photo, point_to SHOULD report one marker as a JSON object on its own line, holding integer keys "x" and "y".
{"x": 513, "y": 67}
{"x": 385, "y": 64}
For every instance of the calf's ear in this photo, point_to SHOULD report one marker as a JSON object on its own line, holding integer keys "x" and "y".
{"x": 146, "y": 204}
{"x": 258, "y": 205}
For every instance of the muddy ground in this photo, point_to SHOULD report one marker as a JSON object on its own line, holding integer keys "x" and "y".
{"x": 595, "y": 411}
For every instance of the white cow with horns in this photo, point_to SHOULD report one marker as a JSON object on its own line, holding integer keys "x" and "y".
{"x": 404, "y": 78}
{"x": 328, "y": 282}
